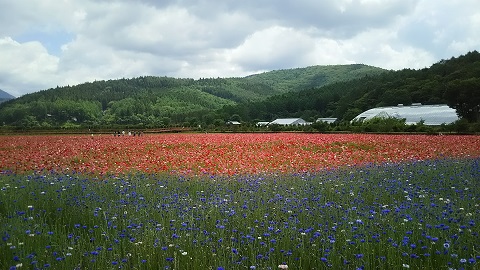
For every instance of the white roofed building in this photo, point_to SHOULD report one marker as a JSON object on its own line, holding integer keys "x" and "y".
{"x": 327, "y": 120}
{"x": 289, "y": 122}
{"x": 430, "y": 114}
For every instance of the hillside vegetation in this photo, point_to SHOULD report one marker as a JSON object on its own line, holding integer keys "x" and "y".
{"x": 341, "y": 91}
{"x": 161, "y": 101}
{"x": 455, "y": 82}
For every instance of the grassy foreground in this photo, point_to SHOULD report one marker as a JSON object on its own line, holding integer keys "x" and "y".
{"x": 420, "y": 215}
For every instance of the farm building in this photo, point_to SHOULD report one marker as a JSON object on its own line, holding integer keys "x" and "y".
{"x": 327, "y": 120}
{"x": 262, "y": 124}
{"x": 431, "y": 114}
{"x": 289, "y": 122}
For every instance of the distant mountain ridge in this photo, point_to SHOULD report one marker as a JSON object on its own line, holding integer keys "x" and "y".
{"x": 5, "y": 96}
{"x": 454, "y": 82}
{"x": 340, "y": 91}
{"x": 165, "y": 100}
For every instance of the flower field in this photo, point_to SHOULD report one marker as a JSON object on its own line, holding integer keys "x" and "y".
{"x": 240, "y": 201}
{"x": 225, "y": 154}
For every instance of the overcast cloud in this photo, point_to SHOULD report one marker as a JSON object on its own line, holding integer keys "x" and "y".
{"x": 45, "y": 43}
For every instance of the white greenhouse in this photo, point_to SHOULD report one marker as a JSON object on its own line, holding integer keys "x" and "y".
{"x": 430, "y": 114}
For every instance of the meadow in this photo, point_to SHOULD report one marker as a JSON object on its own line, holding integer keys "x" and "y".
{"x": 240, "y": 201}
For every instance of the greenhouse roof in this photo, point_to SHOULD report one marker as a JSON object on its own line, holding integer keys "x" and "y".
{"x": 430, "y": 114}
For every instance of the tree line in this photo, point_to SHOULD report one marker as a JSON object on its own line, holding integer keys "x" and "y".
{"x": 329, "y": 91}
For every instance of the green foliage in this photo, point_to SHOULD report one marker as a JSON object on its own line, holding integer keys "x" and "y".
{"x": 383, "y": 124}
{"x": 145, "y": 100}
{"x": 342, "y": 91}
{"x": 454, "y": 82}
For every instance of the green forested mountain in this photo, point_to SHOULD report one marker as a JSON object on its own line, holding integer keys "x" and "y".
{"x": 455, "y": 82}
{"x": 159, "y": 101}
{"x": 321, "y": 91}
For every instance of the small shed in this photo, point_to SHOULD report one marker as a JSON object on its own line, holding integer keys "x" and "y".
{"x": 327, "y": 120}
{"x": 262, "y": 124}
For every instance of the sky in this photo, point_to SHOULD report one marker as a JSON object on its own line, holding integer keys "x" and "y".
{"x": 50, "y": 43}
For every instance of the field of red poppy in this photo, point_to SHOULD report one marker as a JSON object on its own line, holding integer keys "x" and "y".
{"x": 225, "y": 154}
{"x": 266, "y": 201}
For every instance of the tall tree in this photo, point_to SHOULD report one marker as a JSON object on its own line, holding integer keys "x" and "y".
{"x": 464, "y": 96}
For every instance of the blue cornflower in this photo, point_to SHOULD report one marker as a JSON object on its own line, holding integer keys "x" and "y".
{"x": 358, "y": 256}
{"x": 114, "y": 262}
{"x": 220, "y": 268}
{"x": 235, "y": 251}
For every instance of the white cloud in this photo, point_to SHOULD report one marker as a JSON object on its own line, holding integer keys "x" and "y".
{"x": 273, "y": 47}
{"x": 25, "y": 67}
{"x": 59, "y": 42}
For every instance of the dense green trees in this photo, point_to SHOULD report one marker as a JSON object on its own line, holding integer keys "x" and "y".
{"x": 321, "y": 91}
{"x": 454, "y": 82}
{"x": 464, "y": 96}
{"x": 159, "y": 101}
